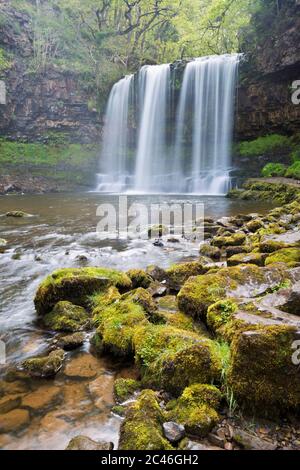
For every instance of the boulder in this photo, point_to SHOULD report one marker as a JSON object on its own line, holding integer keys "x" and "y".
{"x": 173, "y": 432}
{"x": 66, "y": 316}
{"x": 289, "y": 256}
{"x": 85, "y": 443}
{"x": 139, "y": 278}
{"x": 70, "y": 342}
{"x": 45, "y": 366}
{"x": 179, "y": 273}
{"x": 250, "y": 442}
{"x": 212, "y": 252}
{"x": 235, "y": 239}
{"x": 252, "y": 258}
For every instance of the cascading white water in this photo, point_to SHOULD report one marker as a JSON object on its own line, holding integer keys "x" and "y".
{"x": 152, "y": 151}
{"x": 207, "y": 99}
{"x": 115, "y": 150}
{"x": 198, "y": 160}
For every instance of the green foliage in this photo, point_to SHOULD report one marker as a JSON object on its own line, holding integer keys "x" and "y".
{"x": 273, "y": 169}
{"x": 295, "y": 155}
{"x": 263, "y": 145}
{"x": 294, "y": 171}
{"x": 4, "y": 62}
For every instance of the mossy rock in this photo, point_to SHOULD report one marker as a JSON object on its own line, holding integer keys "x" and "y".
{"x": 252, "y": 258}
{"x": 179, "y": 273}
{"x": 142, "y": 426}
{"x": 142, "y": 297}
{"x": 139, "y": 278}
{"x": 101, "y": 300}
{"x": 157, "y": 273}
{"x": 46, "y": 366}
{"x": 196, "y": 409}
{"x": 236, "y": 250}
{"x": 210, "y": 251}
{"x": 254, "y": 225}
{"x": 249, "y": 280}
{"x": 269, "y": 246}
{"x": 117, "y": 324}
{"x": 125, "y": 388}
{"x": 236, "y": 239}
{"x": 17, "y": 214}
{"x": 76, "y": 285}
{"x": 220, "y": 314}
{"x": 66, "y": 316}
{"x": 262, "y": 375}
{"x": 172, "y": 359}
{"x": 289, "y": 256}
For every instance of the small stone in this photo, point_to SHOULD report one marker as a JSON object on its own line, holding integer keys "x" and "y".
{"x": 70, "y": 342}
{"x": 14, "y": 420}
{"x": 85, "y": 443}
{"x": 228, "y": 446}
{"x": 173, "y": 432}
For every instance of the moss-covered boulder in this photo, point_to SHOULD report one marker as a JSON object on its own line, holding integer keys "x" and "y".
{"x": 66, "y": 316}
{"x": 262, "y": 374}
{"x": 269, "y": 246}
{"x": 252, "y": 258}
{"x": 254, "y": 225}
{"x": 139, "y": 278}
{"x": 143, "y": 298}
{"x": 210, "y": 251}
{"x": 172, "y": 359}
{"x": 179, "y": 273}
{"x": 45, "y": 366}
{"x": 142, "y": 426}
{"x": 196, "y": 409}
{"x": 289, "y": 256}
{"x": 76, "y": 285}
{"x": 220, "y": 314}
{"x": 198, "y": 293}
{"x": 125, "y": 388}
{"x": 117, "y": 324}
{"x": 70, "y": 342}
{"x": 101, "y": 300}
{"x": 235, "y": 239}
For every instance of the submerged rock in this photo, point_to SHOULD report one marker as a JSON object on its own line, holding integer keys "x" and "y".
{"x": 86, "y": 443}
{"x": 14, "y": 420}
{"x": 47, "y": 366}
{"x": 76, "y": 285}
{"x": 83, "y": 366}
{"x": 66, "y": 316}
{"x": 41, "y": 398}
{"x": 142, "y": 427}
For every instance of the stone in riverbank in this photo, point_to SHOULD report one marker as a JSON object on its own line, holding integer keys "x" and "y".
{"x": 142, "y": 426}
{"x": 76, "y": 285}
{"x": 47, "y": 366}
{"x": 172, "y": 359}
{"x": 85, "y": 443}
{"x": 179, "y": 273}
{"x": 125, "y": 388}
{"x": 67, "y": 317}
{"x": 70, "y": 342}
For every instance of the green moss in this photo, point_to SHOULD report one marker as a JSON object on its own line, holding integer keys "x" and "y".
{"x": 117, "y": 324}
{"x": 254, "y": 225}
{"x": 172, "y": 359}
{"x": 119, "y": 410}
{"x": 179, "y": 273}
{"x": 67, "y": 317}
{"x": 263, "y": 145}
{"x": 139, "y": 278}
{"x": 196, "y": 409}
{"x": 46, "y": 366}
{"x": 269, "y": 246}
{"x": 262, "y": 375}
{"x": 260, "y": 189}
{"x": 236, "y": 239}
{"x": 76, "y": 285}
{"x": 289, "y": 256}
{"x": 293, "y": 171}
{"x": 210, "y": 251}
{"x": 252, "y": 258}
{"x": 220, "y": 313}
{"x": 273, "y": 169}
{"x": 101, "y": 300}
{"x": 142, "y": 297}
{"x": 124, "y": 389}
{"x": 142, "y": 427}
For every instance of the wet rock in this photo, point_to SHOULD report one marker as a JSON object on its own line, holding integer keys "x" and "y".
{"x": 41, "y": 398}
{"x": 254, "y": 225}
{"x": 173, "y": 432}
{"x": 235, "y": 250}
{"x": 85, "y": 443}
{"x": 119, "y": 410}
{"x": 292, "y": 304}
{"x": 66, "y": 316}
{"x": 157, "y": 273}
{"x": 125, "y": 388}
{"x": 158, "y": 243}
{"x": 101, "y": 390}
{"x": 47, "y": 366}
{"x": 179, "y": 273}
{"x": 2, "y": 242}
{"x": 289, "y": 256}
{"x": 236, "y": 239}
{"x": 142, "y": 426}
{"x": 252, "y": 258}
{"x": 70, "y": 342}
{"x": 173, "y": 240}
{"x": 139, "y": 278}
{"x": 249, "y": 442}
{"x": 14, "y": 420}
{"x": 76, "y": 285}
{"x": 225, "y": 222}
{"x": 210, "y": 251}
{"x": 157, "y": 289}
{"x": 10, "y": 402}
{"x": 84, "y": 366}
{"x": 16, "y": 214}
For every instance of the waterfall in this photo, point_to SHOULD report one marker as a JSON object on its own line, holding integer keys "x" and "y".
{"x": 152, "y": 151}
{"x": 114, "y": 175}
{"x": 198, "y": 159}
{"x": 207, "y": 105}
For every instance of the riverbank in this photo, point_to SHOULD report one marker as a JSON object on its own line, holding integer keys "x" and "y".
{"x": 229, "y": 310}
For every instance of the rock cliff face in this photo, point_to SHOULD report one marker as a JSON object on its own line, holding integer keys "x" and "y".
{"x": 271, "y": 65}
{"x": 41, "y": 102}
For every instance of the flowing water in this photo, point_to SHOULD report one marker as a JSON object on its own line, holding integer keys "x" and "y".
{"x": 62, "y": 233}
{"x": 196, "y": 157}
